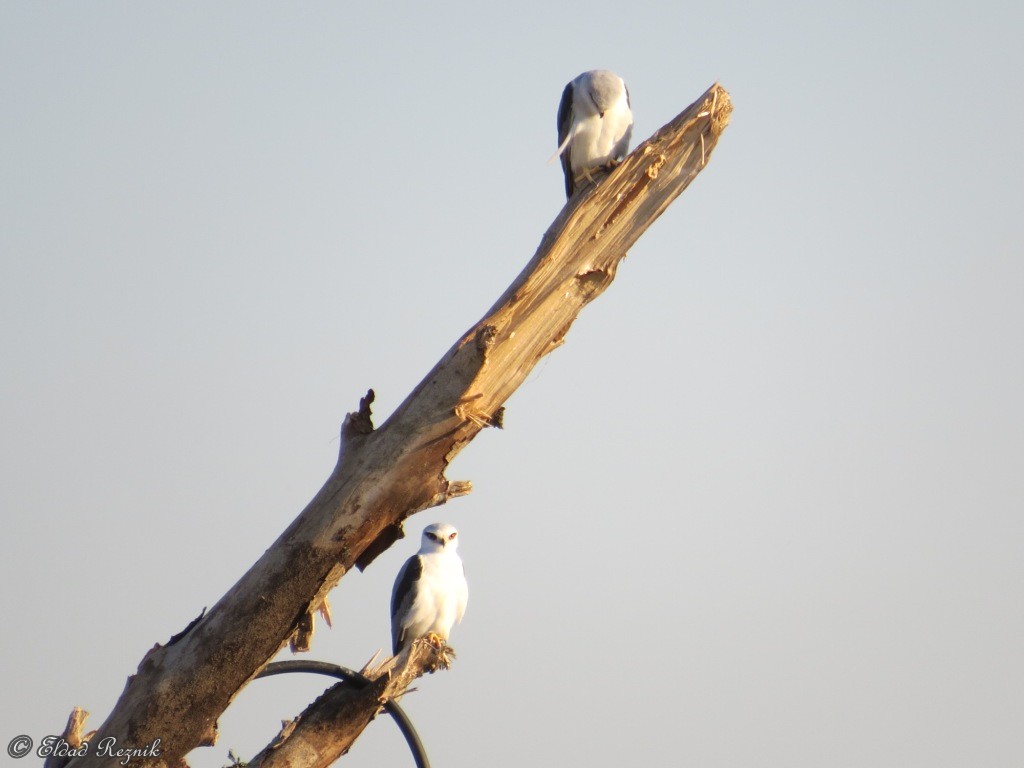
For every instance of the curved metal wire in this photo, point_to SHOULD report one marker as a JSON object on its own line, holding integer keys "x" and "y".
{"x": 359, "y": 681}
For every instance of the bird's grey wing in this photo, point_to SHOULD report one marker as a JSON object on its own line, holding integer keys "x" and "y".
{"x": 565, "y": 119}
{"x": 622, "y": 148}
{"x": 402, "y": 597}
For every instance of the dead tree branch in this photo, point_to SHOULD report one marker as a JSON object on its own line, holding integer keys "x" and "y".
{"x": 330, "y": 725}
{"x": 385, "y": 475}
{"x": 72, "y": 735}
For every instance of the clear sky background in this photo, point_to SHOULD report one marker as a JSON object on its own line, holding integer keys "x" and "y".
{"x": 764, "y": 508}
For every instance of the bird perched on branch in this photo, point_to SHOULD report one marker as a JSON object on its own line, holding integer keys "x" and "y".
{"x": 430, "y": 592}
{"x": 594, "y": 125}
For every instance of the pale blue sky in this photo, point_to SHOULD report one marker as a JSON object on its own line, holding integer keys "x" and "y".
{"x": 763, "y": 508}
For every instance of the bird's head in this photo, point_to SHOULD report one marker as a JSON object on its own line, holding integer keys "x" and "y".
{"x": 439, "y": 537}
{"x": 604, "y": 89}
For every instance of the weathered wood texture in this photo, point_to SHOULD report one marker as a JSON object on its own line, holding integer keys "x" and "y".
{"x": 385, "y": 475}
{"x": 72, "y": 735}
{"x": 330, "y": 725}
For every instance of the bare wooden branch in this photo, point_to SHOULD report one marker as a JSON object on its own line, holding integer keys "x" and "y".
{"x": 72, "y": 736}
{"x": 385, "y": 475}
{"x": 330, "y": 725}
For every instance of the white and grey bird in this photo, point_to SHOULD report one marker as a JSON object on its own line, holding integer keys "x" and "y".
{"x": 430, "y": 592}
{"x": 595, "y": 123}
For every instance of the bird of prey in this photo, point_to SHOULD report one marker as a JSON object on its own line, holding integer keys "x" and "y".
{"x": 430, "y": 593}
{"x": 594, "y": 125}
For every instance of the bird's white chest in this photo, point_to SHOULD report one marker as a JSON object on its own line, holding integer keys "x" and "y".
{"x": 598, "y": 139}
{"x": 442, "y": 585}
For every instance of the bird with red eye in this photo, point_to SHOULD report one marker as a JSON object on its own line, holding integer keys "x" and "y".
{"x": 430, "y": 592}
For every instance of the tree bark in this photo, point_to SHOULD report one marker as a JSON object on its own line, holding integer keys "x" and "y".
{"x": 385, "y": 475}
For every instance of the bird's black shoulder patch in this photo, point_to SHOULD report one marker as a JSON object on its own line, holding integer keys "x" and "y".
{"x": 565, "y": 117}
{"x": 565, "y": 113}
{"x": 402, "y": 598}
{"x": 411, "y": 572}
